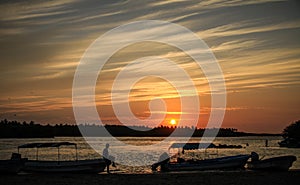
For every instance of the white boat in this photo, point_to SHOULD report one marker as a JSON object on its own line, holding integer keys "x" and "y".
{"x": 219, "y": 163}
{"x": 80, "y": 166}
{"x": 281, "y": 163}
{"x": 75, "y": 166}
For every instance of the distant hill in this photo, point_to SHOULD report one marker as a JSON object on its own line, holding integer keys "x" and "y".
{"x": 15, "y": 129}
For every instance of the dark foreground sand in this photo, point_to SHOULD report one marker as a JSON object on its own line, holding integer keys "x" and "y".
{"x": 201, "y": 178}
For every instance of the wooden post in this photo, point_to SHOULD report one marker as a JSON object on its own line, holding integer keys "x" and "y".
{"x": 37, "y": 154}
{"x": 57, "y": 154}
{"x": 76, "y": 152}
{"x": 267, "y": 143}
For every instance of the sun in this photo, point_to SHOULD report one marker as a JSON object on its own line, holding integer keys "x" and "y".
{"x": 173, "y": 122}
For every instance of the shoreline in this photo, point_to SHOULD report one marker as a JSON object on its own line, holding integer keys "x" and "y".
{"x": 203, "y": 178}
{"x": 125, "y": 136}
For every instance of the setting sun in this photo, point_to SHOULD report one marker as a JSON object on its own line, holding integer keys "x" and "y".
{"x": 173, "y": 122}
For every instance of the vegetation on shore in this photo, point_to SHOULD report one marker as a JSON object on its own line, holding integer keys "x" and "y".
{"x": 291, "y": 135}
{"x": 292, "y": 131}
{"x": 15, "y": 129}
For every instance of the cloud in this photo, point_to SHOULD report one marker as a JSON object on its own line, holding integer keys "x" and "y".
{"x": 236, "y": 45}
{"x": 33, "y": 104}
{"x": 255, "y": 42}
{"x": 247, "y": 27}
{"x": 13, "y": 11}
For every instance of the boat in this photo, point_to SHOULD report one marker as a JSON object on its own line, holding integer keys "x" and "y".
{"x": 290, "y": 143}
{"x": 219, "y": 163}
{"x": 192, "y": 146}
{"x": 280, "y": 163}
{"x": 13, "y": 165}
{"x": 74, "y": 166}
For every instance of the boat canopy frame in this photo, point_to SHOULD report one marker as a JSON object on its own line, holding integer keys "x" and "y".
{"x": 49, "y": 145}
{"x": 181, "y": 147}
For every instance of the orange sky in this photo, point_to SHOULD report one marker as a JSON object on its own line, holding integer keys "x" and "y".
{"x": 256, "y": 43}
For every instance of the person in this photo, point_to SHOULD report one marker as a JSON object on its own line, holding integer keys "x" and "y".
{"x": 108, "y": 158}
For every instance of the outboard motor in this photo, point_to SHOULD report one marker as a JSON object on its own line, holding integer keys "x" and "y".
{"x": 163, "y": 159}
{"x": 254, "y": 157}
{"x": 15, "y": 156}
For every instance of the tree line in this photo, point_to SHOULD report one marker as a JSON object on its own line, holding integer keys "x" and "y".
{"x": 16, "y": 129}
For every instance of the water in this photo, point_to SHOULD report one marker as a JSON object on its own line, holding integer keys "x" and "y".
{"x": 131, "y": 159}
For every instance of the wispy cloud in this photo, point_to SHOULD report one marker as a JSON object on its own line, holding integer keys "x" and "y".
{"x": 12, "y": 11}
{"x": 41, "y": 43}
{"x": 248, "y": 27}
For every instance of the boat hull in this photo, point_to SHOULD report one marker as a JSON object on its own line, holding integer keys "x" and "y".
{"x": 81, "y": 166}
{"x": 282, "y": 163}
{"x": 11, "y": 166}
{"x": 231, "y": 162}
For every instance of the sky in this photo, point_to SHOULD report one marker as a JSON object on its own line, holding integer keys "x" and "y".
{"x": 257, "y": 45}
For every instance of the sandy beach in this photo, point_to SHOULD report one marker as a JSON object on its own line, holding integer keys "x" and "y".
{"x": 203, "y": 178}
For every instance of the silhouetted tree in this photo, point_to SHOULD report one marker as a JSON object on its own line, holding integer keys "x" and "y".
{"x": 292, "y": 131}
{"x": 15, "y": 129}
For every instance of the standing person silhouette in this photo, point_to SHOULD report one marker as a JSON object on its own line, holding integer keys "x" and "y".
{"x": 108, "y": 158}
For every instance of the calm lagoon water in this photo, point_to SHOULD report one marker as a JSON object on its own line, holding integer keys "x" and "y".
{"x": 131, "y": 160}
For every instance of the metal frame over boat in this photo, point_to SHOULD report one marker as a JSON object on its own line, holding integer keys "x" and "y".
{"x": 76, "y": 166}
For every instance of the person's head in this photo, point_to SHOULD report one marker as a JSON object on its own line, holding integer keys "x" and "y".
{"x": 107, "y": 145}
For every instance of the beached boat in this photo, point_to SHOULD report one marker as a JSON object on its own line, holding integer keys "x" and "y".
{"x": 193, "y": 146}
{"x": 289, "y": 143}
{"x": 13, "y": 165}
{"x": 281, "y": 163}
{"x": 219, "y": 163}
{"x": 75, "y": 166}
